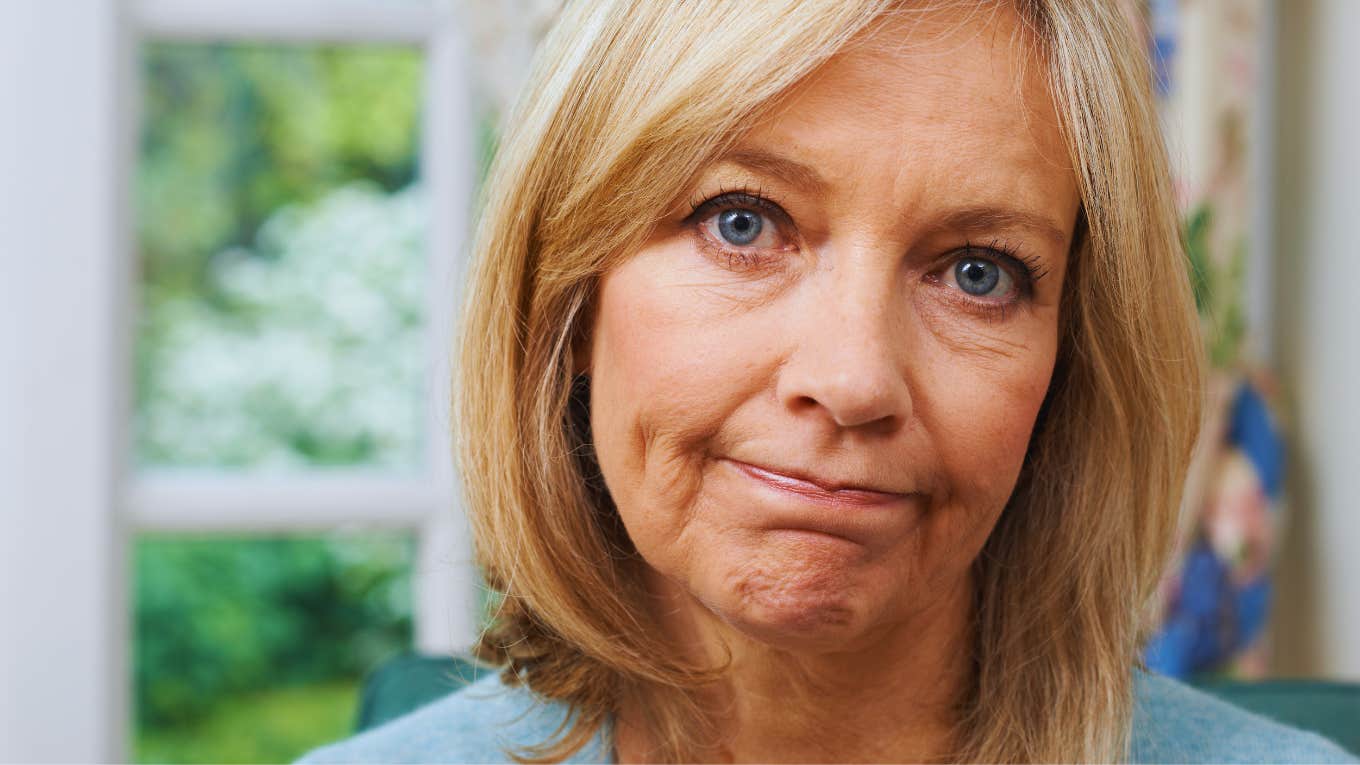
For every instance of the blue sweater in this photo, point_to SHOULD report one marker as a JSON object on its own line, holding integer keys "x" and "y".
{"x": 1171, "y": 723}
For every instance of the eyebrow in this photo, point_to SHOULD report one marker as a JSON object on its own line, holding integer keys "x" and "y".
{"x": 790, "y": 171}
{"x": 978, "y": 218}
{"x": 983, "y": 218}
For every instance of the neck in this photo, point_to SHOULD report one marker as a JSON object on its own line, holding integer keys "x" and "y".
{"x": 890, "y": 696}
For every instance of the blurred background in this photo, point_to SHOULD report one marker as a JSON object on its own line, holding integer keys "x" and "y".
{"x": 232, "y": 234}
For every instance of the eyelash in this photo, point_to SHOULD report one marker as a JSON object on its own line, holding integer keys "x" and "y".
{"x": 1027, "y": 270}
{"x": 743, "y": 197}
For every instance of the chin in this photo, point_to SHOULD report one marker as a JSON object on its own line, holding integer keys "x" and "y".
{"x": 815, "y": 602}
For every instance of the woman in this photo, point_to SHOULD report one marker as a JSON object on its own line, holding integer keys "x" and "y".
{"x": 829, "y": 379}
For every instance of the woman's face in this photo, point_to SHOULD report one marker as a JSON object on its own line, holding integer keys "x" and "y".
{"x": 813, "y": 387}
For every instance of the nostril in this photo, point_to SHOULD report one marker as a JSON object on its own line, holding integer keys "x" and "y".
{"x": 867, "y": 420}
{"x": 848, "y": 402}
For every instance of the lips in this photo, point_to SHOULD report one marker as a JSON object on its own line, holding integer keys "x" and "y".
{"x": 820, "y": 491}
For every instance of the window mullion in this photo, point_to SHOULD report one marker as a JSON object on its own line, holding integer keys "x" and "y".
{"x": 446, "y": 580}
{"x": 341, "y": 21}
{"x": 215, "y": 502}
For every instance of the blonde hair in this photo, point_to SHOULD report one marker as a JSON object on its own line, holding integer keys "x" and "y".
{"x": 627, "y": 101}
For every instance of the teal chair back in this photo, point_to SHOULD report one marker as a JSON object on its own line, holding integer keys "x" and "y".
{"x": 406, "y": 683}
{"x": 1329, "y": 708}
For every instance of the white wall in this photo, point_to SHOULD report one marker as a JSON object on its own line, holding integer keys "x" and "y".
{"x": 1317, "y": 332}
{"x": 63, "y": 679}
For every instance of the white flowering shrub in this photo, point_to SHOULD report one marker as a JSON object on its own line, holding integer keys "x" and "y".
{"x": 311, "y": 351}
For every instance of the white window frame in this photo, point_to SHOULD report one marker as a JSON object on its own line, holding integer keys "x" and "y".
{"x": 70, "y": 501}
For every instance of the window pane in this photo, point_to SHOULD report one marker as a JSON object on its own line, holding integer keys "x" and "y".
{"x": 281, "y": 229}
{"x": 252, "y": 650}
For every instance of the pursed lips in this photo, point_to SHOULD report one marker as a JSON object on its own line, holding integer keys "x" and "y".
{"x": 818, "y": 489}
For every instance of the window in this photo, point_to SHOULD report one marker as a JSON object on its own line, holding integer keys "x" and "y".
{"x": 223, "y": 391}
{"x": 281, "y": 233}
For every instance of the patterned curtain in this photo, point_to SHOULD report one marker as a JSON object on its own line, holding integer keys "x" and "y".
{"x": 1215, "y": 599}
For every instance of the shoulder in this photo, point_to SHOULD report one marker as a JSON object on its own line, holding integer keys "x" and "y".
{"x": 478, "y": 723}
{"x": 1173, "y": 722}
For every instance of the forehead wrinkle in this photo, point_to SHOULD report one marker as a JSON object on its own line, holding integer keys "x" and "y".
{"x": 774, "y": 148}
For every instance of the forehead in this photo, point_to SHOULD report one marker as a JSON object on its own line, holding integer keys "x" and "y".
{"x": 951, "y": 100}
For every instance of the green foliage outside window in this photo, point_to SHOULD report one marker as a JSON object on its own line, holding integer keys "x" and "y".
{"x": 227, "y": 627}
{"x": 281, "y": 233}
{"x": 281, "y": 236}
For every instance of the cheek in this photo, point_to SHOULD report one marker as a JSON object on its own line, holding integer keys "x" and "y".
{"x": 981, "y": 412}
{"x": 978, "y": 410}
{"x": 665, "y": 375}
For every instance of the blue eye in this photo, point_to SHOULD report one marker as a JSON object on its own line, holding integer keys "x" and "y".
{"x": 981, "y": 277}
{"x": 740, "y": 227}
{"x": 741, "y": 224}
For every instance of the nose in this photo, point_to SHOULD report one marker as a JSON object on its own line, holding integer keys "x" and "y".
{"x": 847, "y": 360}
